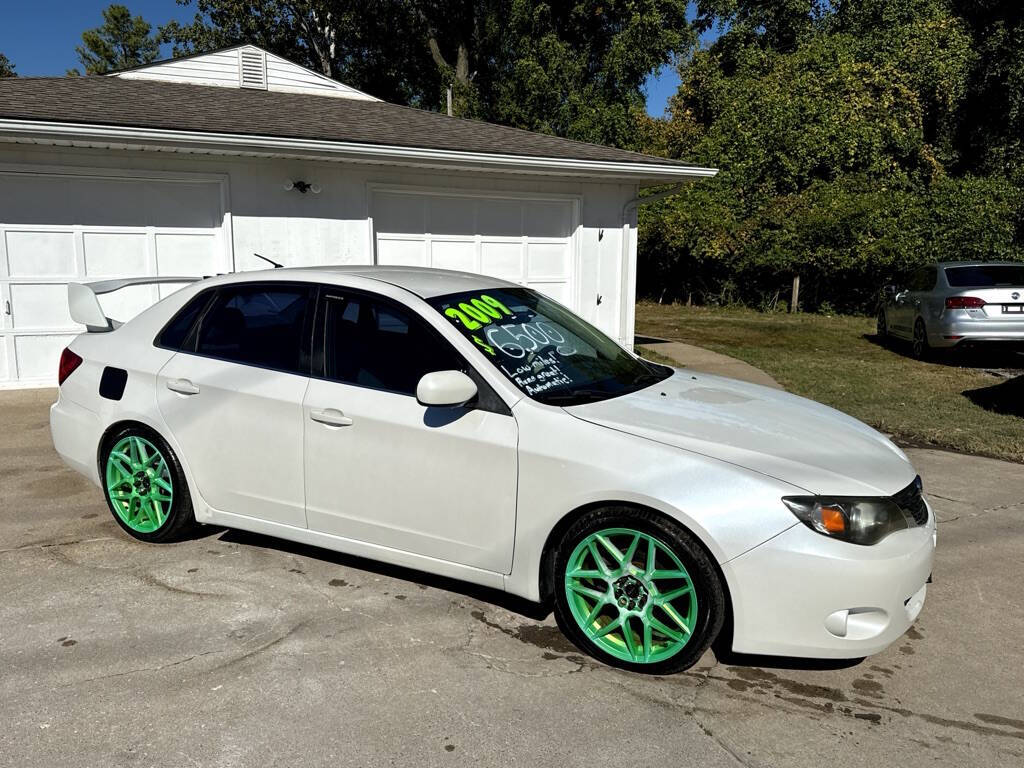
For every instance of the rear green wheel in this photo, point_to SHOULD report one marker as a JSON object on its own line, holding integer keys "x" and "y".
{"x": 139, "y": 484}
{"x": 146, "y": 488}
{"x": 636, "y": 590}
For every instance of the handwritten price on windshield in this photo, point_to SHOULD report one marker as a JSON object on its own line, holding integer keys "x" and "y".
{"x": 536, "y": 335}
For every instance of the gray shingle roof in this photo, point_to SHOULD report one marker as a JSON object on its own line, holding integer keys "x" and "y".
{"x": 210, "y": 109}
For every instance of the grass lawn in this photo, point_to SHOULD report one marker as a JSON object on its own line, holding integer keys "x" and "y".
{"x": 837, "y": 361}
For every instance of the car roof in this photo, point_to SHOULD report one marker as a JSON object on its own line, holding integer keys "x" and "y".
{"x": 425, "y": 282}
{"x": 944, "y": 264}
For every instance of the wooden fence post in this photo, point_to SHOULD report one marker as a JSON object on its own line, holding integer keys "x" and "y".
{"x": 794, "y": 305}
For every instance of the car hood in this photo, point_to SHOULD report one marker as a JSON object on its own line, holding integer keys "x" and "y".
{"x": 790, "y": 438}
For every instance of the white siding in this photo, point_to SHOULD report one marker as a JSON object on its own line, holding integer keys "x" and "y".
{"x": 221, "y": 68}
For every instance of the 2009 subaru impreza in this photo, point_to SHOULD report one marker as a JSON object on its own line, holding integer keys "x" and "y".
{"x": 473, "y": 428}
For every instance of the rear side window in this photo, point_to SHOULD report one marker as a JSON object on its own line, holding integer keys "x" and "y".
{"x": 379, "y": 345}
{"x": 177, "y": 331}
{"x": 986, "y": 276}
{"x": 259, "y": 324}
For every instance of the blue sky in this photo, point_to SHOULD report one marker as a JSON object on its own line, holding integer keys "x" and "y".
{"x": 40, "y": 36}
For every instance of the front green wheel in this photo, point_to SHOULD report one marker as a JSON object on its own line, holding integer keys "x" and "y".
{"x": 146, "y": 488}
{"x": 637, "y": 591}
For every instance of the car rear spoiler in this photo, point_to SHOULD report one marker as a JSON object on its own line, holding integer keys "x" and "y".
{"x": 85, "y": 306}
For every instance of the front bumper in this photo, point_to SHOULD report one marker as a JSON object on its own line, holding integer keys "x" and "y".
{"x": 803, "y": 594}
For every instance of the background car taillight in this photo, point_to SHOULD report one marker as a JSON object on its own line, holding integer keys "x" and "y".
{"x": 68, "y": 362}
{"x": 964, "y": 302}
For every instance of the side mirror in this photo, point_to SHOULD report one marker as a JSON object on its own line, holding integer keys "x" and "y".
{"x": 445, "y": 389}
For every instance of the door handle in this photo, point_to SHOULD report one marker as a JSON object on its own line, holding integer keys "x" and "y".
{"x": 332, "y": 417}
{"x": 182, "y": 387}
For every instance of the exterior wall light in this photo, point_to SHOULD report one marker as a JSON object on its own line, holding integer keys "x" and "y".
{"x": 302, "y": 186}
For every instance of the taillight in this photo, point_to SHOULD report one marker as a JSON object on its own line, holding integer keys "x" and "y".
{"x": 68, "y": 362}
{"x": 964, "y": 302}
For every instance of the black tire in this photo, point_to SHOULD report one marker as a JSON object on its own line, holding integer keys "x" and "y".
{"x": 919, "y": 346}
{"x": 180, "y": 520}
{"x": 710, "y": 594}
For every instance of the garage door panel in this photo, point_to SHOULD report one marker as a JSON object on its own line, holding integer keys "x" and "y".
{"x": 108, "y": 254}
{"x": 183, "y": 204}
{"x": 502, "y": 259}
{"x": 500, "y": 218}
{"x": 40, "y": 254}
{"x": 38, "y": 355}
{"x": 125, "y": 304}
{"x": 548, "y": 219}
{"x": 5, "y": 373}
{"x": 451, "y": 216}
{"x": 453, "y": 254}
{"x": 399, "y": 214}
{"x": 523, "y": 240}
{"x": 40, "y": 305}
{"x": 547, "y": 260}
{"x": 403, "y": 253}
{"x": 185, "y": 255}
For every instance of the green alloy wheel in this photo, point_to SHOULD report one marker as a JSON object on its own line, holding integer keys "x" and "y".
{"x": 146, "y": 489}
{"x": 631, "y": 595}
{"x": 638, "y": 593}
{"x": 139, "y": 484}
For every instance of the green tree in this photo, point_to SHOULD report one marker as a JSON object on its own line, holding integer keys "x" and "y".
{"x": 573, "y": 69}
{"x": 6, "y": 67}
{"x": 121, "y": 42}
{"x": 853, "y": 147}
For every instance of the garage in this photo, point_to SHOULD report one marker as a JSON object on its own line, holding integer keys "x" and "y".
{"x": 57, "y": 228}
{"x": 528, "y": 240}
{"x": 195, "y": 165}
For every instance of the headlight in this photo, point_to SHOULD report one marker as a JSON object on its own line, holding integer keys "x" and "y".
{"x": 858, "y": 521}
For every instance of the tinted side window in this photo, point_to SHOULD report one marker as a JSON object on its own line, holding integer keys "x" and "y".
{"x": 379, "y": 345}
{"x": 257, "y": 325}
{"x": 175, "y": 333}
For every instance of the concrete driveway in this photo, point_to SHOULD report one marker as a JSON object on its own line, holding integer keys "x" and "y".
{"x": 236, "y": 650}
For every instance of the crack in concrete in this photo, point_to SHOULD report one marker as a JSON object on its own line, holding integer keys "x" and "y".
{"x": 157, "y": 668}
{"x": 49, "y": 544}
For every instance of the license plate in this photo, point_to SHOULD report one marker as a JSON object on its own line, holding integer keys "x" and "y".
{"x": 1013, "y": 309}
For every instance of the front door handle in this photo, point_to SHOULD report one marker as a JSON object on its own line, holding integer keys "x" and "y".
{"x": 182, "y": 387}
{"x": 332, "y": 417}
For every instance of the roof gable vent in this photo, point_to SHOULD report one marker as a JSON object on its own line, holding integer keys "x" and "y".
{"x": 252, "y": 68}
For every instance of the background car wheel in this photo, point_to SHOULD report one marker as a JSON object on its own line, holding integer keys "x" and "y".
{"x": 636, "y": 591}
{"x": 920, "y": 347}
{"x": 146, "y": 488}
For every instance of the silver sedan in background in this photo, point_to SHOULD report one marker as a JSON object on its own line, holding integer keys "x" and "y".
{"x": 953, "y": 303}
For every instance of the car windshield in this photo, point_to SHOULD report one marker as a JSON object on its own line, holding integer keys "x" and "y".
{"x": 985, "y": 275}
{"x": 545, "y": 350}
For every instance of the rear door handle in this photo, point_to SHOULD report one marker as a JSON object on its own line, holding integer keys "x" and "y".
{"x": 182, "y": 387}
{"x": 332, "y": 417}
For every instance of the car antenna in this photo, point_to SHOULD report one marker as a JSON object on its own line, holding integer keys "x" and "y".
{"x": 269, "y": 261}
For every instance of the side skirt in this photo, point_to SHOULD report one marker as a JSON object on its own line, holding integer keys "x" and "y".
{"x": 358, "y": 548}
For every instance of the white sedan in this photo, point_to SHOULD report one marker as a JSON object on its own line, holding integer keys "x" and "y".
{"x": 473, "y": 428}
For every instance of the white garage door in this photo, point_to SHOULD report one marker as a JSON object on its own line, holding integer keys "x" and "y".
{"x": 56, "y": 229}
{"x": 525, "y": 240}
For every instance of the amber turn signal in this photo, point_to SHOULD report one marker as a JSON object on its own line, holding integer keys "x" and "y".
{"x": 833, "y": 520}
